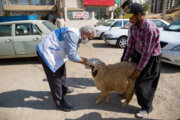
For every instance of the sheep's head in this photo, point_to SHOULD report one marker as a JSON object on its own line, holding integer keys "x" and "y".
{"x": 95, "y": 69}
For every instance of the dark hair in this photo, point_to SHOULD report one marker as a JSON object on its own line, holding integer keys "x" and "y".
{"x": 126, "y": 3}
{"x": 142, "y": 13}
{"x": 136, "y": 8}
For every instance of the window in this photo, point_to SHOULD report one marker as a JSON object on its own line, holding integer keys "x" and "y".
{"x": 158, "y": 23}
{"x": 31, "y": 2}
{"x": 117, "y": 24}
{"x": 50, "y": 26}
{"x": 26, "y": 29}
{"x": 5, "y": 30}
{"x": 125, "y": 24}
{"x": 100, "y": 12}
{"x": 108, "y": 23}
{"x": 175, "y": 26}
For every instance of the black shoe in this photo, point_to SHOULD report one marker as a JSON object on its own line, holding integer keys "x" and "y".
{"x": 64, "y": 106}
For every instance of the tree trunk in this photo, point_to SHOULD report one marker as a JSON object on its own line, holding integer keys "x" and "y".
{"x": 164, "y": 9}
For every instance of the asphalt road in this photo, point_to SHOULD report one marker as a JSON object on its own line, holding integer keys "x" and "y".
{"x": 25, "y": 94}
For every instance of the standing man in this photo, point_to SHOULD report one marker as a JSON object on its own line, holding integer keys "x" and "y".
{"x": 125, "y": 7}
{"x": 53, "y": 53}
{"x": 60, "y": 23}
{"x": 144, "y": 46}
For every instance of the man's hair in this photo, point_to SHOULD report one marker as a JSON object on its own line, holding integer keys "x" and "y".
{"x": 87, "y": 29}
{"x": 126, "y": 3}
{"x": 136, "y": 8}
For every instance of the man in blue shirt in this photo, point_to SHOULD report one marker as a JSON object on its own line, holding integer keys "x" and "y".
{"x": 53, "y": 52}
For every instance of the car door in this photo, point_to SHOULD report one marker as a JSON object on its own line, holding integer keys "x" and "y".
{"x": 26, "y": 38}
{"x": 6, "y": 43}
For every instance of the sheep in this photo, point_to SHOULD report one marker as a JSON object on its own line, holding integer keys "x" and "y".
{"x": 114, "y": 78}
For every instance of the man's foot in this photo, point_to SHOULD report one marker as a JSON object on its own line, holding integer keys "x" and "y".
{"x": 69, "y": 90}
{"x": 64, "y": 106}
{"x": 141, "y": 114}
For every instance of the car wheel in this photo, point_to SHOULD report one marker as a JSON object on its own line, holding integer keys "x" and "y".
{"x": 122, "y": 42}
{"x": 101, "y": 36}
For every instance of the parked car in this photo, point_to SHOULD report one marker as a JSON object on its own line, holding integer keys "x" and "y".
{"x": 109, "y": 25}
{"x": 19, "y": 38}
{"x": 170, "y": 43}
{"x": 119, "y": 36}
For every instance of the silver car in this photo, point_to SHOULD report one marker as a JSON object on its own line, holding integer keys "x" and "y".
{"x": 19, "y": 38}
{"x": 170, "y": 43}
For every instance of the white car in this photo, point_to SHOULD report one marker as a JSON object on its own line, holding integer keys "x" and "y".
{"x": 109, "y": 25}
{"x": 119, "y": 36}
{"x": 170, "y": 43}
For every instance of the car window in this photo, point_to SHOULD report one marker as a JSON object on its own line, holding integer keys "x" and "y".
{"x": 175, "y": 26}
{"x": 118, "y": 24}
{"x": 25, "y": 29}
{"x": 126, "y": 24}
{"x": 5, "y": 30}
{"x": 159, "y": 23}
{"x": 50, "y": 26}
{"x": 108, "y": 23}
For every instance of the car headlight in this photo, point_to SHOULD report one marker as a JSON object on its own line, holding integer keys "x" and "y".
{"x": 176, "y": 48}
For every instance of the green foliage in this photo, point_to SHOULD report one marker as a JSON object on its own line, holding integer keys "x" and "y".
{"x": 117, "y": 12}
{"x": 146, "y": 6}
{"x": 6, "y": 14}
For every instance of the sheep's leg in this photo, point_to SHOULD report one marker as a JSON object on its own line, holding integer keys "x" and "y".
{"x": 100, "y": 97}
{"x": 107, "y": 97}
{"x": 128, "y": 98}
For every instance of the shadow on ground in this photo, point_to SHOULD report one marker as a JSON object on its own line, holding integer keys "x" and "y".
{"x": 169, "y": 68}
{"x": 97, "y": 116}
{"x": 19, "y": 61}
{"x": 42, "y": 100}
{"x": 103, "y": 45}
{"x": 78, "y": 82}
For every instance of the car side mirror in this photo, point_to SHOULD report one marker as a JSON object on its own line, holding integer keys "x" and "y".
{"x": 165, "y": 27}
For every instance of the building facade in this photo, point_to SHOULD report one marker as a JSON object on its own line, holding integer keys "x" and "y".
{"x": 40, "y": 8}
{"x": 157, "y": 5}
{"x": 79, "y": 13}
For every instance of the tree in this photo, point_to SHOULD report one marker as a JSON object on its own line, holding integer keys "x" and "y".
{"x": 117, "y": 12}
{"x": 146, "y": 6}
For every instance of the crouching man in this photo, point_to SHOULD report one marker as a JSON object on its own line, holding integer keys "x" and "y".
{"x": 144, "y": 48}
{"x": 53, "y": 53}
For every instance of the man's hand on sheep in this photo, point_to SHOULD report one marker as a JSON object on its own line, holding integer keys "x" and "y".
{"x": 135, "y": 75}
{"x": 94, "y": 62}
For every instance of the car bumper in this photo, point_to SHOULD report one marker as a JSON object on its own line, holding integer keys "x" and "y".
{"x": 97, "y": 34}
{"x": 171, "y": 57}
{"x": 110, "y": 41}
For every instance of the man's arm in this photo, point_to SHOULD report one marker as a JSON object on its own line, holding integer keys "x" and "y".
{"x": 71, "y": 46}
{"x": 130, "y": 47}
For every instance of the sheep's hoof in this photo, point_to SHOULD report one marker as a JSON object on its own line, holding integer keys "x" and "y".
{"x": 98, "y": 101}
{"x": 107, "y": 101}
{"x": 124, "y": 104}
